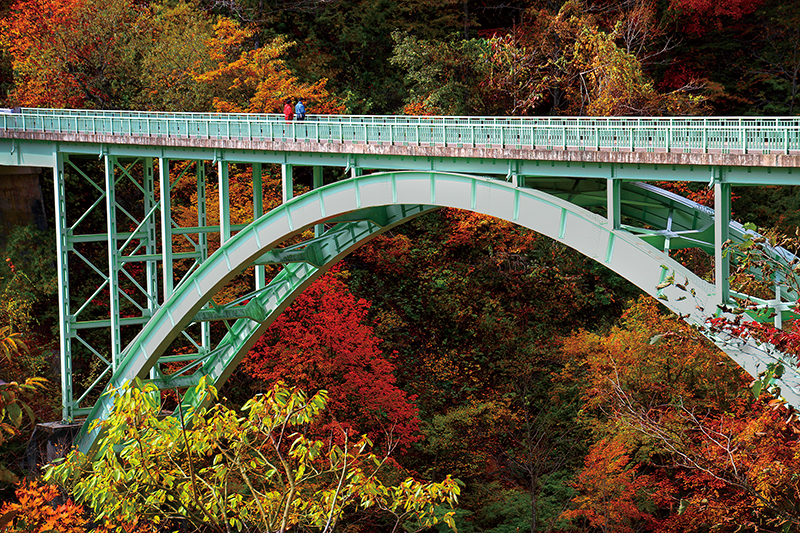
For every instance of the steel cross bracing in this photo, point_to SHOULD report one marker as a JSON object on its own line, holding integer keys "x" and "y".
{"x": 138, "y": 283}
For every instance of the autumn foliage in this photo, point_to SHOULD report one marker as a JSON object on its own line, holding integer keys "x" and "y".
{"x": 565, "y": 400}
{"x": 257, "y": 81}
{"x": 38, "y": 511}
{"x": 322, "y": 341}
{"x": 64, "y": 55}
{"x": 609, "y": 488}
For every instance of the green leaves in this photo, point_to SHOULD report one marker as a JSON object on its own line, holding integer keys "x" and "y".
{"x": 229, "y": 470}
{"x": 767, "y": 380}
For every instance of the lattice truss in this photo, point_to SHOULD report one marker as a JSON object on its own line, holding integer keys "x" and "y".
{"x": 670, "y": 222}
{"x": 121, "y": 256}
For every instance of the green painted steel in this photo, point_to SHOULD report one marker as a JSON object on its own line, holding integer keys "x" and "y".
{"x": 705, "y": 135}
{"x": 401, "y": 196}
{"x": 183, "y": 307}
{"x": 152, "y": 280}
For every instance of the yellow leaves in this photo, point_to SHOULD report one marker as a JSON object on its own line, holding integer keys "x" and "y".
{"x": 260, "y": 469}
{"x": 256, "y": 81}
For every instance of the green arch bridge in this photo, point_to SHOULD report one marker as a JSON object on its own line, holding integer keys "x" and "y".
{"x": 584, "y": 182}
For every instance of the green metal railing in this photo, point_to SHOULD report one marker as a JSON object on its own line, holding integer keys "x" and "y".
{"x": 706, "y": 135}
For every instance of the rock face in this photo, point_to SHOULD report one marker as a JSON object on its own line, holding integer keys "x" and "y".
{"x": 21, "y": 200}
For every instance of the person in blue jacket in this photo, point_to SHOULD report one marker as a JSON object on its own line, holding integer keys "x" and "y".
{"x": 300, "y": 110}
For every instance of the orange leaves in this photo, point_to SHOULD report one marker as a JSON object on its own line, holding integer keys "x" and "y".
{"x": 656, "y": 358}
{"x": 30, "y": 37}
{"x": 35, "y": 512}
{"x": 256, "y": 81}
{"x": 568, "y": 59}
{"x": 607, "y": 489}
{"x": 69, "y": 53}
{"x": 688, "y": 407}
{"x": 420, "y": 109}
{"x": 613, "y": 82}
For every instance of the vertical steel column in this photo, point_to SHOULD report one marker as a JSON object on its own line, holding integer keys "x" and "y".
{"x": 166, "y": 226}
{"x": 224, "y": 203}
{"x": 151, "y": 239}
{"x": 356, "y": 172}
{"x": 513, "y": 172}
{"x": 722, "y": 219}
{"x": 258, "y": 210}
{"x": 614, "y": 201}
{"x": 113, "y": 260}
{"x": 202, "y": 239}
{"x": 287, "y": 185}
{"x": 150, "y": 228}
{"x": 319, "y": 229}
{"x": 62, "y": 247}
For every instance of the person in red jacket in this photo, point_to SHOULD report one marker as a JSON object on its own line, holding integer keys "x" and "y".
{"x": 288, "y": 110}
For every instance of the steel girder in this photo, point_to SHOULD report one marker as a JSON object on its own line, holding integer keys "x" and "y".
{"x": 364, "y": 206}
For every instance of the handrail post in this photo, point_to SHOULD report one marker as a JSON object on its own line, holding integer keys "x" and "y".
{"x": 743, "y": 135}
{"x": 669, "y": 138}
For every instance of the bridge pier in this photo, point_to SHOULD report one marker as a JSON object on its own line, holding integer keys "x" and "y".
{"x": 287, "y": 185}
{"x": 317, "y": 182}
{"x": 614, "y": 202}
{"x": 722, "y": 220}
{"x": 49, "y": 441}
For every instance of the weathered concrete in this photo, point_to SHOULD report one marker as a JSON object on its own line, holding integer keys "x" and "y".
{"x": 624, "y": 156}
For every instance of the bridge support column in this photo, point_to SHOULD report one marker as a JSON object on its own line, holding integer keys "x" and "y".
{"x": 224, "y": 203}
{"x": 62, "y": 263}
{"x": 150, "y": 227}
{"x": 113, "y": 260}
{"x": 202, "y": 240}
{"x": 287, "y": 186}
{"x": 166, "y": 227}
{"x": 613, "y": 202}
{"x": 319, "y": 229}
{"x": 722, "y": 219}
{"x": 258, "y": 210}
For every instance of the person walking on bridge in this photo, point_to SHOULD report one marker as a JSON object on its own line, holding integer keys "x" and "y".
{"x": 300, "y": 110}
{"x": 288, "y": 112}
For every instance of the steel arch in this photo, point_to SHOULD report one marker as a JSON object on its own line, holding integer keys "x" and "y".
{"x": 367, "y": 205}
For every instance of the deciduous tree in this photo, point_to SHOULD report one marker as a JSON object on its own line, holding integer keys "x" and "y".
{"x": 227, "y": 471}
{"x": 245, "y": 80}
{"x": 323, "y": 341}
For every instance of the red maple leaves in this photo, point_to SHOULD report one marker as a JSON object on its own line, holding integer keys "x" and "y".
{"x": 323, "y": 342}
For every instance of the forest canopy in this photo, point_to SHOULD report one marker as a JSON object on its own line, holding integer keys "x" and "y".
{"x": 456, "y": 359}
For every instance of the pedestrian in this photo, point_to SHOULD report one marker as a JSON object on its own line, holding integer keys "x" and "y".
{"x": 300, "y": 110}
{"x": 288, "y": 112}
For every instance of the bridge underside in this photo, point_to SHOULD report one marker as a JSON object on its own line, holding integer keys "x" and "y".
{"x": 157, "y": 283}
{"x": 631, "y": 231}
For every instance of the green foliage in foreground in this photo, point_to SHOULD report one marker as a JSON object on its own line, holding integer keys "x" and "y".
{"x": 261, "y": 470}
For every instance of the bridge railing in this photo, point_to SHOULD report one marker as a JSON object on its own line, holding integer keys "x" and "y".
{"x": 680, "y": 134}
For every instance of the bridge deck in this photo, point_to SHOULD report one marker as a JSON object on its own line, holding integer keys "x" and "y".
{"x": 739, "y": 142}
